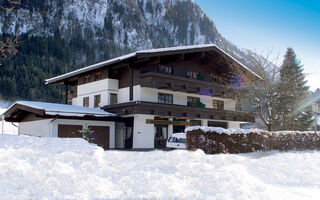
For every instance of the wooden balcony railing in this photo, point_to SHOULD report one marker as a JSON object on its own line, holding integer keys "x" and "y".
{"x": 151, "y": 108}
{"x": 182, "y": 84}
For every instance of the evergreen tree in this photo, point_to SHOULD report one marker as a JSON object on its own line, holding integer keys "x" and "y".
{"x": 294, "y": 93}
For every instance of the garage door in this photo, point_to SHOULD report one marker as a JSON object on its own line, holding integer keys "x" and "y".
{"x": 102, "y": 136}
{"x": 101, "y": 133}
{"x": 69, "y": 131}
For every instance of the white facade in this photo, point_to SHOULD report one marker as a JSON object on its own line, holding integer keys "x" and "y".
{"x": 49, "y": 127}
{"x": 103, "y": 87}
{"x": 179, "y": 98}
{"x": 40, "y": 128}
{"x": 106, "y": 87}
{"x": 144, "y": 134}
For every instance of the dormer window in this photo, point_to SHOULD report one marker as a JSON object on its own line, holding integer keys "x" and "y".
{"x": 165, "y": 69}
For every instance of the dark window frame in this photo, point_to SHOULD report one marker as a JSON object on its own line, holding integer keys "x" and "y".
{"x": 97, "y": 76}
{"x": 96, "y": 103}
{"x": 113, "y": 98}
{"x": 86, "y": 102}
{"x": 165, "y": 69}
{"x": 217, "y": 105}
{"x": 192, "y": 74}
{"x": 192, "y": 101}
{"x": 165, "y": 98}
{"x": 86, "y": 79}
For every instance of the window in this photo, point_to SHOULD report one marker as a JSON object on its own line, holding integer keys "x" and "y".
{"x": 192, "y": 75}
{"x": 97, "y": 100}
{"x": 165, "y": 98}
{"x": 113, "y": 99}
{"x": 165, "y": 69}
{"x": 97, "y": 76}
{"x": 217, "y": 79}
{"x": 193, "y": 101}
{"x": 86, "y": 102}
{"x": 217, "y": 105}
{"x": 86, "y": 79}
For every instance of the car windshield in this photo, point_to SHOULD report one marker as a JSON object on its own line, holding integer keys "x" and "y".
{"x": 177, "y": 140}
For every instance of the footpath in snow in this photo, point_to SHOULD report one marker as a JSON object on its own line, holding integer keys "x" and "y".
{"x": 55, "y": 168}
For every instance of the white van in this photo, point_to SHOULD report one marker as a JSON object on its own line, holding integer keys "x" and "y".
{"x": 177, "y": 141}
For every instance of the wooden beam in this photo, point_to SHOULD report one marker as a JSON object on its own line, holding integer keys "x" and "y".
{"x": 66, "y": 92}
{"x": 131, "y": 81}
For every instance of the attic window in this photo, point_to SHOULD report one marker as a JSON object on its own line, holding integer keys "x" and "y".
{"x": 86, "y": 79}
{"x": 192, "y": 75}
{"x": 165, "y": 69}
{"x": 97, "y": 76}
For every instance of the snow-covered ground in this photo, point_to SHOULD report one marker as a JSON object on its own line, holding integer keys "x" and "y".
{"x": 8, "y": 128}
{"x": 55, "y": 168}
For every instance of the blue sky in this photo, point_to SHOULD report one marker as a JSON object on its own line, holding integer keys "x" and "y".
{"x": 272, "y": 25}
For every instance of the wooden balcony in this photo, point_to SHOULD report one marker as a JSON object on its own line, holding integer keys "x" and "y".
{"x": 182, "y": 84}
{"x": 173, "y": 110}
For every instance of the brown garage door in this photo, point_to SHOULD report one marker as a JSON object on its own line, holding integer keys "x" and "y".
{"x": 102, "y": 135}
{"x": 69, "y": 131}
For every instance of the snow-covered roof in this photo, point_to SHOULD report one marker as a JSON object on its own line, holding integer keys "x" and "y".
{"x": 142, "y": 52}
{"x": 55, "y": 109}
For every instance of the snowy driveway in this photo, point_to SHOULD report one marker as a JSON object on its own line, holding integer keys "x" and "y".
{"x": 54, "y": 168}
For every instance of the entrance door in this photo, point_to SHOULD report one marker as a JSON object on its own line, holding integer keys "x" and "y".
{"x": 129, "y": 138}
{"x": 161, "y": 135}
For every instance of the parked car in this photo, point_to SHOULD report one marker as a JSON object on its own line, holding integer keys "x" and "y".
{"x": 177, "y": 141}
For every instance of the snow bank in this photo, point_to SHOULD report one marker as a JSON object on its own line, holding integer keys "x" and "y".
{"x": 55, "y": 168}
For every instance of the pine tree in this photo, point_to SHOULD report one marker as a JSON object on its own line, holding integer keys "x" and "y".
{"x": 294, "y": 92}
{"x": 86, "y": 132}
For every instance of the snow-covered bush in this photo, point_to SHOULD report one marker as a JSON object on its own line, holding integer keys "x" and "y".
{"x": 219, "y": 140}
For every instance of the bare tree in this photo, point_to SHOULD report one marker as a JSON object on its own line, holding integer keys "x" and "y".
{"x": 8, "y": 44}
{"x": 264, "y": 95}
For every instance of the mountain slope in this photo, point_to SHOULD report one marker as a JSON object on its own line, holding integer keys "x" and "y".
{"x": 82, "y": 32}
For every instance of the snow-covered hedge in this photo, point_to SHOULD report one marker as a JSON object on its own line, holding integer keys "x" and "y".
{"x": 218, "y": 140}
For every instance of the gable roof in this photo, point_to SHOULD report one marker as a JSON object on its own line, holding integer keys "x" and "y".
{"x": 45, "y": 109}
{"x": 148, "y": 53}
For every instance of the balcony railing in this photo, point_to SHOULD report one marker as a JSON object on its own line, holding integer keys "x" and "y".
{"x": 177, "y": 83}
{"x": 173, "y": 110}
